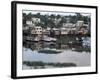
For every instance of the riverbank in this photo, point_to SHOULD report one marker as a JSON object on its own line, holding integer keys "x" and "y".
{"x": 39, "y": 64}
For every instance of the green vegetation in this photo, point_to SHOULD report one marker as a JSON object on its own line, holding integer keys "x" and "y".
{"x": 49, "y": 20}
{"x": 81, "y": 49}
{"x": 36, "y": 64}
{"x": 64, "y": 39}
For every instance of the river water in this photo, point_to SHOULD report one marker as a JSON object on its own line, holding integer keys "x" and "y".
{"x": 67, "y": 55}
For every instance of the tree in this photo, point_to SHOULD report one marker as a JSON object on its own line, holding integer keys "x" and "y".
{"x": 29, "y": 16}
{"x": 79, "y": 16}
{"x": 58, "y": 16}
{"x": 24, "y": 19}
{"x": 38, "y": 15}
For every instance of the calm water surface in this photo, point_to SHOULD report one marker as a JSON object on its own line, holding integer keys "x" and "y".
{"x": 66, "y": 56}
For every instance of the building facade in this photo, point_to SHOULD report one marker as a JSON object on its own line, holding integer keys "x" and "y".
{"x": 68, "y": 28}
{"x": 36, "y": 20}
{"x": 37, "y": 30}
{"x": 29, "y": 22}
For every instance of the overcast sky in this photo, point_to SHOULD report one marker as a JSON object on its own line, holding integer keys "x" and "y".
{"x": 56, "y": 13}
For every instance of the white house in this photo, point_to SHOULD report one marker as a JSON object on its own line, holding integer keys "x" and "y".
{"x": 36, "y": 20}
{"x": 29, "y": 22}
{"x": 67, "y": 27}
{"x": 79, "y": 24}
{"x": 37, "y": 30}
{"x": 32, "y": 22}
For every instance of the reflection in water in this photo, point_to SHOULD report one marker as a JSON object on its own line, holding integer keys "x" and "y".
{"x": 73, "y": 50}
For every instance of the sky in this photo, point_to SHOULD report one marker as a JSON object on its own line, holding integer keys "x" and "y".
{"x": 56, "y": 13}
